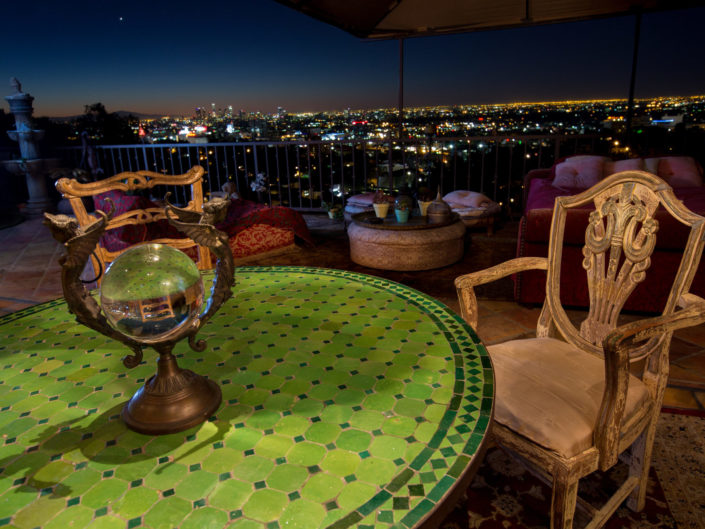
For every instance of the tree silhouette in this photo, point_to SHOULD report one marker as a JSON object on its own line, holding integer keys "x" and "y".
{"x": 106, "y": 128}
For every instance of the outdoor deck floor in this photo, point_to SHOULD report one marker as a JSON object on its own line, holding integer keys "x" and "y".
{"x": 30, "y": 274}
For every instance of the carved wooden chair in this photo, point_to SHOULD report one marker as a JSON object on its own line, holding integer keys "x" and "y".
{"x": 571, "y": 401}
{"x": 140, "y": 214}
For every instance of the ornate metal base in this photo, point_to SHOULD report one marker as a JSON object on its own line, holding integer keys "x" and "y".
{"x": 173, "y": 400}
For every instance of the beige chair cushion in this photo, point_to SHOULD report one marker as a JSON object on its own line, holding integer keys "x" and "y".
{"x": 550, "y": 392}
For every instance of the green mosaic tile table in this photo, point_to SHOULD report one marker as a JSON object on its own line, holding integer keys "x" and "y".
{"x": 348, "y": 401}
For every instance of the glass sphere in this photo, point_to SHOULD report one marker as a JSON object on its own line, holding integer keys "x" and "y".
{"x": 150, "y": 291}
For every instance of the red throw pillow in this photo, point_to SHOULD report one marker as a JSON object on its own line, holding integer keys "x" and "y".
{"x": 680, "y": 171}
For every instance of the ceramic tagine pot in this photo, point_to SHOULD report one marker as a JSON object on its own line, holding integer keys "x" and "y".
{"x": 439, "y": 211}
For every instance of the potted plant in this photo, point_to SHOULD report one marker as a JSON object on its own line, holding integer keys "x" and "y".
{"x": 259, "y": 185}
{"x": 335, "y": 211}
{"x": 402, "y": 206}
{"x": 381, "y": 202}
{"x": 424, "y": 198}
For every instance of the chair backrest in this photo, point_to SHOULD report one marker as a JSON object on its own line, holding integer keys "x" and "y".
{"x": 75, "y": 191}
{"x": 619, "y": 240}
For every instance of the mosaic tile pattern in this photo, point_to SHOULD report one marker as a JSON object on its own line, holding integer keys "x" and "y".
{"x": 348, "y": 401}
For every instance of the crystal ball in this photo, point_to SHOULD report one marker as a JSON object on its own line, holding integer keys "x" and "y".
{"x": 150, "y": 291}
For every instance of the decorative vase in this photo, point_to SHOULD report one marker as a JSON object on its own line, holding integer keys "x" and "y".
{"x": 423, "y": 206}
{"x": 402, "y": 215}
{"x": 381, "y": 210}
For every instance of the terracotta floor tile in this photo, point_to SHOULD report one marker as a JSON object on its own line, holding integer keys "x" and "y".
{"x": 47, "y": 295}
{"x": 700, "y": 397}
{"x": 7, "y": 258}
{"x": 50, "y": 282}
{"x": 524, "y": 317}
{"x": 497, "y": 328}
{"x": 33, "y": 263}
{"x": 8, "y": 303}
{"x": 14, "y": 307}
{"x": 18, "y": 289}
{"x": 681, "y": 348}
{"x": 695, "y": 363}
{"x": 44, "y": 253}
{"x": 685, "y": 375}
{"x": 484, "y": 309}
{"x": 679, "y": 398}
{"x": 692, "y": 334}
{"x": 24, "y": 274}
{"x": 498, "y": 306}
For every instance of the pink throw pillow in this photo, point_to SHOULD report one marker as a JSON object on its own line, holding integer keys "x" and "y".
{"x": 468, "y": 199}
{"x": 680, "y": 171}
{"x": 631, "y": 164}
{"x": 579, "y": 174}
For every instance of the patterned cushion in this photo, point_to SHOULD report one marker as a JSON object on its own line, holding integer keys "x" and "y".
{"x": 259, "y": 238}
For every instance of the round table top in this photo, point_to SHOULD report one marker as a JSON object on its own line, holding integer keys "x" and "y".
{"x": 348, "y": 401}
{"x": 369, "y": 219}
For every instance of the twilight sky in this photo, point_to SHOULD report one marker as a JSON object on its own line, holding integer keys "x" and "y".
{"x": 158, "y": 56}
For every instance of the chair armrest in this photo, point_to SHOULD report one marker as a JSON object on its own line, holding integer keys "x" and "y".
{"x": 687, "y": 300}
{"x": 465, "y": 284}
{"x": 625, "y": 336}
{"x": 616, "y": 347}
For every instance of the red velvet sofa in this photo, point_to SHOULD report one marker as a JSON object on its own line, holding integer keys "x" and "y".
{"x": 542, "y": 186}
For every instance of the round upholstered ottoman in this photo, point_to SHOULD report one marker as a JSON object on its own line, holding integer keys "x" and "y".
{"x": 420, "y": 247}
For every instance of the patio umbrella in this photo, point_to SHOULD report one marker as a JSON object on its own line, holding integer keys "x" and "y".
{"x": 399, "y": 19}
{"x": 388, "y": 19}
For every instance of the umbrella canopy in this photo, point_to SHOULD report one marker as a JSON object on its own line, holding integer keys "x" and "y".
{"x": 385, "y": 19}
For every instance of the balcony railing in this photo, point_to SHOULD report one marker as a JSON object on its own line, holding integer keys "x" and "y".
{"x": 302, "y": 174}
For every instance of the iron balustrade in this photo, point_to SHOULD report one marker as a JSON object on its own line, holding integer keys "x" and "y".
{"x": 303, "y": 174}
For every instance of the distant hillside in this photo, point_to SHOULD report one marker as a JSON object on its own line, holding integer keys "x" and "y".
{"x": 121, "y": 113}
{"x": 125, "y": 113}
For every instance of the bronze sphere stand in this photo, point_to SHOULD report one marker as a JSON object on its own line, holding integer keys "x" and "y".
{"x": 173, "y": 400}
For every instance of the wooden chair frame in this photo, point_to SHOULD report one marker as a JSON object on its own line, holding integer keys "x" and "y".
{"x": 75, "y": 191}
{"x": 620, "y": 238}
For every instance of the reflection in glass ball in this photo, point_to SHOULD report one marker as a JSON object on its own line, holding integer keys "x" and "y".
{"x": 150, "y": 291}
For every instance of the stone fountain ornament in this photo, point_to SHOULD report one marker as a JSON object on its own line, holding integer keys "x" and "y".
{"x": 152, "y": 296}
{"x": 31, "y": 165}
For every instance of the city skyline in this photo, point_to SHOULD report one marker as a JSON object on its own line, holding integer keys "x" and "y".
{"x": 257, "y": 56}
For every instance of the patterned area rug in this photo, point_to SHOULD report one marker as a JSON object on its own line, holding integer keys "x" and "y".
{"x": 679, "y": 460}
{"x": 504, "y": 495}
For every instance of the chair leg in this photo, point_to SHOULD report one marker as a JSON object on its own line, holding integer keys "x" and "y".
{"x": 563, "y": 500}
{"x": 639, "y": 466}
